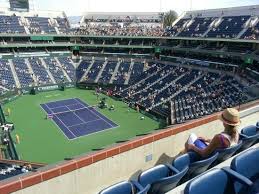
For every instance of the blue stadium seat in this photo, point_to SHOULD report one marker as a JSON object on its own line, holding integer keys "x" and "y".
{"x": 226, "y": 153}
{"x": 126, "y": 187}
{"x": 196, "y": 164}
{"x": 162, "y": 178}
{"x": 248, "y": 136}
{"x": 246, "y": 164}
{"x": 216, "y": 181}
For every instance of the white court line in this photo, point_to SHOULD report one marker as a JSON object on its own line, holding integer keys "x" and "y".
{"x": 75, "y": 114}
{"x": 63, "y": 106}
{"x": 81, "y": 136}
{"x": 60, "y": 106}
{"x": 63, "y": 124}
{"x": 84, "y": 123}
{"x": 58, "y": 126}
{"x": 96, "y": 114}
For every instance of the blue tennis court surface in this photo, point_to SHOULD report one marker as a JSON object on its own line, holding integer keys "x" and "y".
{"x": 76, "y": 118}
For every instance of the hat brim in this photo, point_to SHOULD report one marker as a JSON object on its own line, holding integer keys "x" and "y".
{"x": 227, "y": 122}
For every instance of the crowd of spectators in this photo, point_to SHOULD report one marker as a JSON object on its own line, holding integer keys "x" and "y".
{"x": 114, "y": 30}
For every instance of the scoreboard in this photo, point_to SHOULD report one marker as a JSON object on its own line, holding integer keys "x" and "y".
{"x": 19, "y": 5}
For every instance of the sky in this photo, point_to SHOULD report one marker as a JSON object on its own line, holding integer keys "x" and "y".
{"x": 77, "y": 7}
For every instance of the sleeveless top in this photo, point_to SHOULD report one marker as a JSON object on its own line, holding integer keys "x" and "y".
{"x": 229, "y": 138}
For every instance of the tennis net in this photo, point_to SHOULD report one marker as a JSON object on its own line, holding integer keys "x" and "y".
{"x": 72, "y": 111}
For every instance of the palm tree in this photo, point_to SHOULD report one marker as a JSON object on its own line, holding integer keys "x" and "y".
{"x": 169, "y": 18}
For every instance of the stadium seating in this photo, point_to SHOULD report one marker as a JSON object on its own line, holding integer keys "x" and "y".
{"x": 110, "y": 72}
{"x": 11, "y": 24}
{"x": 107, "y": 72}
{"x": 197, "y": 28}
{"x": 55, "y": 70}
{"x": 63, "y": 25}
{"x": 81, "y": 69}
{"x": 40, "y": 25}
{"x": 11, "y": 170}
{"x": 136, "y": 72}
{"x": 162, "y": 178}
{"x": 68, "y": 67}
{"x": 126, "y": 187}
{"x": 252, "y": 33}
{"x": 230, "y": 27}
{"x": 94, "y": 71}
{"x": 246, "y": 164}
{"x": 122, "y": 73}
{"x": 23, "y": 73}
{"x": 40, "y": 71}
{"x": 196, "y": 164}
{"x": 6, "y": 76}
{"x": 192, "y": 93}
{"x": 249, "y": 136}
{"x": 226, "y": 153}
{"x": 216, "y": 181}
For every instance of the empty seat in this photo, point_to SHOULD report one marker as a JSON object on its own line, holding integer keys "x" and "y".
{"x": 248, "y": 136}
{"x": 246, "y": 164}
{"x": 196, "y": 164}
{"x": 162, "y": 178}
{"x": 216, "y": 181}
{"x": 126, "y": 187}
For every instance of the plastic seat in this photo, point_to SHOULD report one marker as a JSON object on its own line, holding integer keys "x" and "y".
{"x": 248, "y": 136}
{"x": 196, "y": 164}
{"x": 216, "y": 181}
{"x": 162, "y": 178}
{"x": 226, "y": 153}
{"x": 126, "y": 187}
{"x": 246, "y": 164}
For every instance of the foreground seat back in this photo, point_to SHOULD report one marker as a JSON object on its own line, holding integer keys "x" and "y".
{"x": 247, "y": 164}
{"x": 215, "y": 181}
{"x": 226, "y": 153}
{"x": 122, "y": 187}
{"x": 248, "y": 136}
{"x": 162, "y": 178}
{"x": 126, "y": 187}
{"x": 197, "y": 164}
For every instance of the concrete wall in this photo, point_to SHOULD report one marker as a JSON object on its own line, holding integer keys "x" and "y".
{"x": 91, "y": 173}
{"x": 92, "y": 178}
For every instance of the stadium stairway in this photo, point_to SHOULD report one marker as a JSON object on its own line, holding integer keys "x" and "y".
{"x": 149, "y": 73}
{"x": 31, "y": 70}
{"x": 17, "y": 82}
{"x": 115, "y": 72}
{"x": 100, "y": 72}
{"x": 154, "y": 82}
{"x": 129, "y": 73}
{"x": 178, "y": 92}
{"x": 47, "y": 69}
{"x": 87, "y": 71}
{"x": 166, "y": 86}
{"x": 64, "y": 72}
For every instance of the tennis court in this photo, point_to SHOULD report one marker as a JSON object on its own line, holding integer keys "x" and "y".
{"x": 76, "y": 118}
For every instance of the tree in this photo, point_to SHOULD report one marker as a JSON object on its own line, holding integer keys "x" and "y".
{"x": 169, "y": 18}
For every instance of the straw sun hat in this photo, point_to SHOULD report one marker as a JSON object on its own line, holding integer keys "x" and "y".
{"x": 230, "y": 116}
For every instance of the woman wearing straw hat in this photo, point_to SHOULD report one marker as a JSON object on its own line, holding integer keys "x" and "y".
{"x": 229, "y": 137}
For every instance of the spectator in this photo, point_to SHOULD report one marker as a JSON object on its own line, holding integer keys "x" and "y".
{"x": 229, "y": 137}
{"x": 17, "y": 138}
